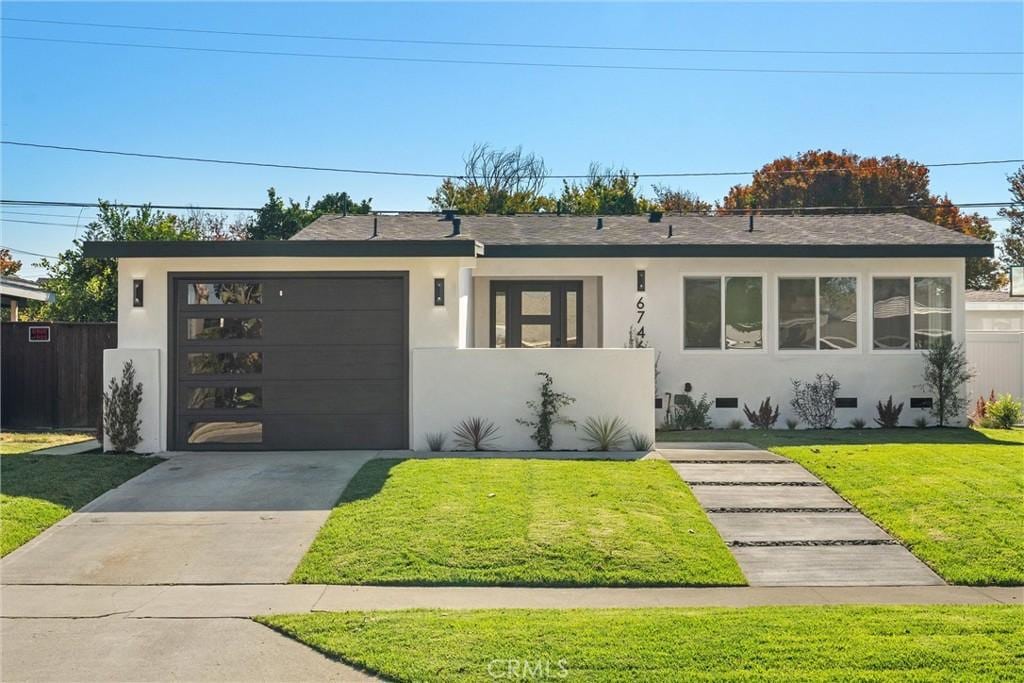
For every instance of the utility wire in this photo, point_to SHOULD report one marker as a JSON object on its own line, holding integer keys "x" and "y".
{"x": 63, "y": 225}
{"x": 29, "y": 253}
{"x": 711, "y": 212}
{"x": 33, "y": 213}
{"x": 489, "y": 62}
{"x": 541, "y": 46}
{"x": 416, "y": 174}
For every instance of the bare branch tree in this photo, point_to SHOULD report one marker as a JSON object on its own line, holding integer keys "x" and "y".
{"x": 505, "y": 171}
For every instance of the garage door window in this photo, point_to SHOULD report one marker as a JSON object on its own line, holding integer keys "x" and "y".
{"x": 242, "y": 293}
{"x": 225, "y": 363}
{"x": 207, "y": 398}
{"x": 224, "y": 328}
{"x": 225, "y": 432}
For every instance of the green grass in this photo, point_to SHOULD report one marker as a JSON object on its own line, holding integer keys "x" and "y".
{"x": 955, "y": 497}
{"x": 752, "y": 644}
{"x": 518, "y": 522}
{"x": 24, "y": 442}
{"x": 37, "y": 491}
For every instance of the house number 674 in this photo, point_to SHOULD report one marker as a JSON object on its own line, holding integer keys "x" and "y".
{"x": 641, "y": 334}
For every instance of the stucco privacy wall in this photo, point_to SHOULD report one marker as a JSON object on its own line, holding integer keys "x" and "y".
{"x": 145, "y": 327}
{"x": 750, "y": 376}
{"x": 449, "y": 385}
{"x": 146, "y": 363}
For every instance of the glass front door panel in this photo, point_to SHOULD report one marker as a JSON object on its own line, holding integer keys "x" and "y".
{"x": 536, "y": 315}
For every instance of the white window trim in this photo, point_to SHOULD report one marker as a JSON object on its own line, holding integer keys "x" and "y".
{"x": 954, "y": 318}
{"x": 721, "y": 303}
{"x": 858, "y": 289}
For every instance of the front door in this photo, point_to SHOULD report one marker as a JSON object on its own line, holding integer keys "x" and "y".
{"x": 536, "y": 315}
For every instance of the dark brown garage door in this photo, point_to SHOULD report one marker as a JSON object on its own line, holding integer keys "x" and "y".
{"x": 276, "y": 363}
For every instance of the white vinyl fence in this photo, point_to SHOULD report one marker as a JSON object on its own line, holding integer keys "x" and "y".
{"x": 997, "y": 359}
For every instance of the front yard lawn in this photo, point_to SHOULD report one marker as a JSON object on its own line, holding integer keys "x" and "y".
{"x": 953, "y": 496}
{"x": 518, "y": 522}
{"x": 24, "y": 442}
{"x": 761, "y": 643}
{"x": 37, "y": 491}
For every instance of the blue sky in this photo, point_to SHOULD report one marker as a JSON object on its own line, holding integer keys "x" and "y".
{"x": 424, "y": 117}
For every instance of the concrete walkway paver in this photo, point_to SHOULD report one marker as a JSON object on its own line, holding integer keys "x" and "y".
{"x": 71, "y": 448}
{"x": 785, "y": 527}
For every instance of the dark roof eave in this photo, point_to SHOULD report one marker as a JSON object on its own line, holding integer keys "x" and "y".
{"x": 278, "y": 248}
{"x": 740, "y": 250}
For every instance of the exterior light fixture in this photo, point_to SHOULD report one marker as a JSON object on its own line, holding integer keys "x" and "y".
{"x": 439, "y": 291}
{"x": 136, "y": 293}
{"x": 641, "y": 280}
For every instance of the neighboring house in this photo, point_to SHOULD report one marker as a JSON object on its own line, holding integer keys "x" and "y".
{"x": 372, "y": 331}
{"x": 995, "y": 342}
{"x": 16, "y": 291}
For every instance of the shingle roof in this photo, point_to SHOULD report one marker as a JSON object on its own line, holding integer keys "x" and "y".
{"x": 987, "y": 296}
{"x": 549, "y": 233}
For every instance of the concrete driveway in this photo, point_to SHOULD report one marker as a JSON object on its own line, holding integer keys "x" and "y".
{"x": 196, "y": 518}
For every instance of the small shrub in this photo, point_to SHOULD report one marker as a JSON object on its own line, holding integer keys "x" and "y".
{"x": 1003, "y": 413}
{"x": 921, "y": 422}
{"x": 858, "y": 423}
{"x": 815, "y": 402}
{"x": 792, "y": 424}
{"x": 436, "y": 440}
{"x": 945, "y": 373}
{"x": 765, "y": 417}
{"x": 476, "y": 434}
{"x": 605, "y": 433}
{"x": 888, "y": 414}
{"x": 685, "y": 413}
{"x": 121, "y": 421}
{"x": 735, "y": 424}
{"x": 641, "y": 442}
{"x": 977, "y": 416}
{"x": 545, "y": 413}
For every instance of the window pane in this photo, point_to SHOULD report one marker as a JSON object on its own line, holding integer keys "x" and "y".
{"x": 702, "y": 313}
{"x": 225, "y": 432}
{"x": 796, "y": 313}
{"x": 837, "y": 313}
{"x": 499, "y": 320}
{"x": 536, "y": 336}
{"x": 743, "y": 316}
{"x": 224, "y": 328}
{"x": 225, "y": 293}
{"x": 225, "y": 363}
{"x": 536, "y": 303}
{"x": 225, "y": 397}
{"x": 572, "y": 330}
{"x": 890, "y": 309}
{"x": 933, "y": 310}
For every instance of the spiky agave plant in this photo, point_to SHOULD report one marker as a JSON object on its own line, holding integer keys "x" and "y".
{"x": 476, "y": 434}
{"x": 605, "y": 433}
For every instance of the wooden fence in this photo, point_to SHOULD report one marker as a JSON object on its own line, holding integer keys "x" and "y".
{"x": 51, "y": 374}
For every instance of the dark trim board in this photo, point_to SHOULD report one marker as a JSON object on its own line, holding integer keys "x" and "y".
{"x": 173, "y": 278}
{"x": 738, "y": 250}
{"x": 298, "y": 248}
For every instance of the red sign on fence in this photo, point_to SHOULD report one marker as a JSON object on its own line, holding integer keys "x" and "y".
{"x": 39, "y": 334}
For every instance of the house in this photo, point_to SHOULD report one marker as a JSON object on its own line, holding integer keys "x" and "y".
{"x": 369, "y": 332}
{"x": 16, "y": 291}
{"x": 995, "y": 342}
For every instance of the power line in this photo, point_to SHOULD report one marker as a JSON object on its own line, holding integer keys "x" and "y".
{"x": 64, "y": 225}
{"x": 713, "y": 211}
{"x": 540, "y": 46}
{"x": 490, "y": 62}
{"x": 417, "y": 174}
{"x": 28, "y": 253}
{"x": 34, "y": 213}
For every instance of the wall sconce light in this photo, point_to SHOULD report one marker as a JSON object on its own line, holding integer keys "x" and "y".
{"x": 641, "y": 280}
{"x": 137, "y": 293}
{"x": 439, "y": 291}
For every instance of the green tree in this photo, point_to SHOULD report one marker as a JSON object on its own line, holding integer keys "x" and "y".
{"x": 276, "y": 220}
{"x": 682, "y": 201}
{"x": 340, "y": 202}
{"x": 85, "y": 289}
{"x": 495, "y": 181}
{"x": 844, "y": 179}
{"x": 605, "y": 191}
{"x": 1012, "y": 249}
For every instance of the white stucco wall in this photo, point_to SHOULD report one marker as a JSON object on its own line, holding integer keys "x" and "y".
{"x": 449, "y": 385}
{"x": 147, "y": 366}
{"x": 750, "y": 376}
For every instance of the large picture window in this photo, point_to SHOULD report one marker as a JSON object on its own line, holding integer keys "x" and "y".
{"x": 711, "y": 321}
{"x": 818, "y": 313}
{"x": 907, "y": 311}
